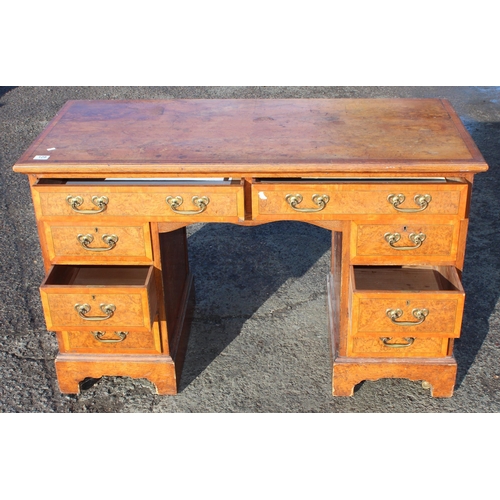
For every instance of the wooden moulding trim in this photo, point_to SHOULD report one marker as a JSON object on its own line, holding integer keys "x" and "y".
{"x": 252, "y": 170}
{"x": 449, "y": 360}
{"x": 114, "y": 358}
{"x": 456, "y": 176}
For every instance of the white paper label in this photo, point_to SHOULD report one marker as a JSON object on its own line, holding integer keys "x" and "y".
{"x": 262, "y": 196}
{"x": 41, "y": 157}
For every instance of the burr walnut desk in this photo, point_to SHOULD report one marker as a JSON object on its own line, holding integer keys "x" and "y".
{"x": 115, "y": 183}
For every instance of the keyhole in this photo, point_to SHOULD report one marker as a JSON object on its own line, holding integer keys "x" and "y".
{"x": 407, "y": 302}
{"x": 96, "y": 229}
{"x": 405, "y": 228}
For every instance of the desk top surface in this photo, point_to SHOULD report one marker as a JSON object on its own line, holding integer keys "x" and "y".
{"x": 253, "y": 137}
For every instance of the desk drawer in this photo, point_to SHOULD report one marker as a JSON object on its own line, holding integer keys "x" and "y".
{"x": 99, "y": 298}
{"x": 398, "y": 347}
{"x": 341, "y": 199}
{"x": 70, "y": 243}
{"x": 407, "y": 242}
{"x": 406, "y": 301}
{"x": 155, "y": 203}
{"x": 112, "y": 341}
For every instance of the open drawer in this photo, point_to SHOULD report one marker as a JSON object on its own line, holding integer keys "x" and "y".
{"x": 99, "y": 297}
{"x": 395, "y": 307}
{"x": 376, "y": 290}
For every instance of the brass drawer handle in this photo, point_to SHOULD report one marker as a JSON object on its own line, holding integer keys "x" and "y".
{"x": 99, "y": 336}
{"x": 422, "y": 200}
{"x": 99, "y": 201}
{"x": 409, "y": 342}
{"x": 200, "y": 201}
{"x": 319, "y": 199}
{"x": 420, "y": 314}
{"x": 392, "y": 238}
{"x": 83, "y": 309}
{"x": 86, "y": 239}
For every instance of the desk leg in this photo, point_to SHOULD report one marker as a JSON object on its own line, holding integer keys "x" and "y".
{"x": 72, "y": 369}
{"x": 439, "y": 374}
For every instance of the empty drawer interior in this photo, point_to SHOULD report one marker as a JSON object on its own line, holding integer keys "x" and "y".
{"x": 98, "y": 275}
{"x": 406, "y": 278}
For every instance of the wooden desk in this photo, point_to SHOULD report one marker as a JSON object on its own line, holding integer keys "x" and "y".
{"x": 390, "y": 178}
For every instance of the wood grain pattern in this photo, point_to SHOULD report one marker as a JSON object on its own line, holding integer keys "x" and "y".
{"x": 135, "y": 342}
{"x": 148, "y": 203}
{"x": 133, "y": 245}
{"x": 440, "y": 373}
{"x": 136, "y": 304}
{"x": 73, "y": 368}
{"x": 354, "y": 199}
{"x": 219, "y": 136}
{"x": 368, "y": 244}
{"x": 369, "y": 315}
{"x": 376, "y": 290}
{"x": 421, "y": 347}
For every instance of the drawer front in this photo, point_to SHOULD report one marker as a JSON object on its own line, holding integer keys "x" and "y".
{"x": 156, "y": 203}
{"x": 404, "y": 242}
{"x": 407, "y": 314}
{"x": 405, "y": 302}
{"x": 112, "y": 341}
{"x": 341, "y": 200}
{"x": 78, "y": 243}
{"x": 101, "y": 300}
{"x": 398, "y": 347}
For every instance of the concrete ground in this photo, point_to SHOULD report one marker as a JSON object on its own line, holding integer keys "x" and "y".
{"x": 259, "y": 337}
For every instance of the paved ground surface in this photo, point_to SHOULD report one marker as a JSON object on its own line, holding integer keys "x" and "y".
{"x": 259, "y": 337}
